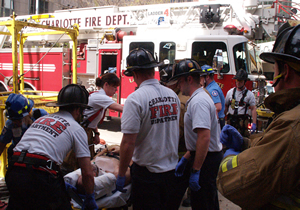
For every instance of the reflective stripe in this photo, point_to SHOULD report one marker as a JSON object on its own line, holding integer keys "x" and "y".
{"x": 21, "y": 111}
{"x": 229, "y": 163}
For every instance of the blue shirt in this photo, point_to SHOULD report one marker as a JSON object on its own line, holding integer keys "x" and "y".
{"x": 217, "y": 96}
{"x": 12, "y": 133}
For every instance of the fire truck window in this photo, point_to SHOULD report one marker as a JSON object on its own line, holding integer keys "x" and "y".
{"x": 146, "y": 45}
{"x": 81, "y": 51}
{"x": 108, "y": 63}
{"x": 203, "y": 53}
{"x": 240, "y": 58}
{"x": 167, "y": 51}
{"x": 254, "y": 57}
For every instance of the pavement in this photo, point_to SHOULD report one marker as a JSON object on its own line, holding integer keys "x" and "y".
{"x": 110, "y": 131}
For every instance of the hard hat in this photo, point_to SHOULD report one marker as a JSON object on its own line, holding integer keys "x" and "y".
{"x": 140, "y": 58}
{"x": 241, "y": 75}
{"x": 31, "y": 104}
{"x": 186, "y": 67}
{"x": 72, "y": 94}
{"x": 286, "y": 48}
{"x": 207, "y": 69}
{"x": 17, "y": 106}
{"x": 165, "y": 73}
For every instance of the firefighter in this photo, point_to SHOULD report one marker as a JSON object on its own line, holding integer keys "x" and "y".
{"x": 100, "y": 101}
{"x": 165, "y": 75}
{"x": 183, "y": 181}
{"x": 237, "y": 102}
{"x": 17, "y": 109}
{"x": 266, "y": 175}
{"x": 202, "y": 136}
{"x": 215, "y": 92}
{"x": 150, "y": 127}
{"x": 33, "y": 178}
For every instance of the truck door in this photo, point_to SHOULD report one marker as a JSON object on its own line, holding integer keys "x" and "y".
{"x": 110, "y": 62}
{"x": 66, "y": 67}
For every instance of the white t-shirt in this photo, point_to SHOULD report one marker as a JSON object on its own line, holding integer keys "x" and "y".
{"x": 53, "y": 136}
{"x": 98, "y": 100}
{"x": 153, "y": 112}
{"x": 249, "y": 98}
{"x": 201, "y": 113}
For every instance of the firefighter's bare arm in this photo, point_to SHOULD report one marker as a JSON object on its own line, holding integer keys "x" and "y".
{"x": 226, "y": 109}
{"x": 116, "y": 107}
{"x": 203, "y": 139}
{"x": 218, "y": 107}
{"x": 253, "y": 112}
{"x": 126, "y": 152}
{"x": 107, "y": 164}
{"x": 87, "y": 174}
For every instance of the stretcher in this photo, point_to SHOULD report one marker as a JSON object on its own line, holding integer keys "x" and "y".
{"x": 104, "y": 185}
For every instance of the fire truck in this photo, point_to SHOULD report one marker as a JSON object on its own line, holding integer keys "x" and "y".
{"x": 210, "y": 32}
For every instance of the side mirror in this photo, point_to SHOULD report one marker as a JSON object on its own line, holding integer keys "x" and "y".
{"x": 218, "y": 62}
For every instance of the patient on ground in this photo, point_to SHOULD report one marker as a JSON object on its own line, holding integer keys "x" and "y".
{"x": 105, "y": 162}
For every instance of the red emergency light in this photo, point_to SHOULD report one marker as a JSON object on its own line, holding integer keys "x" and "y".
{"x": 233, "y": 30}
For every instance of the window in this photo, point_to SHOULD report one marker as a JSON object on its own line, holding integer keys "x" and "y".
{"x": 146, "y": 45}
{"x": 167, "y": 51}
{"x": 43, "y": 6}
{"x": 241, "y": 60}
{"x": 7, "y": 8}
{"x": 203, "y": 53}
{"x": 254, "y": 56}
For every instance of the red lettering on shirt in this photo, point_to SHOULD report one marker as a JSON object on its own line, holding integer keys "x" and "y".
{"x": 58, "y": 127}
{"x": 175, "y": 110}
{"x": 153, "y": 111}
{"x": 45, "y": 121}
{"x": 167, "y": 109}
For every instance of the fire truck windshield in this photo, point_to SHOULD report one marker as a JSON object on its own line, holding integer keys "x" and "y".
{"x": 241, "y": 57}
{"x": 203, "y": 52}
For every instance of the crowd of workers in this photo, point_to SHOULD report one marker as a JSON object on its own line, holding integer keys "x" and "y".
{"x": 161, "y": 122}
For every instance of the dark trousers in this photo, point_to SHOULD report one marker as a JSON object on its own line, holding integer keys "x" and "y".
{"x": 180, "y": 186}
{"x": 33, "y": 189}
{"x": 207, "y": 196}
{"x": 222, "y": 122}
{"x": 150, "y": 190}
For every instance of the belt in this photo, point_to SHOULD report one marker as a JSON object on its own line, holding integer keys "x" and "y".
{"x": 193, "y": 153}
{"x": 34, "y": 161}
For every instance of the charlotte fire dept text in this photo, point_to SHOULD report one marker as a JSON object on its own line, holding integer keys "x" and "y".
{"x": 165, "y": 112}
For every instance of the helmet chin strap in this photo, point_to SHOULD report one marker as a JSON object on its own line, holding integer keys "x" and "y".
{"x": 241, "y": 88}
{"x": 205, "y": 81}
{"x": 278, "y": 77}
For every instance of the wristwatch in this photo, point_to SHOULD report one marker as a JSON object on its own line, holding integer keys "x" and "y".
{"x": 194, "y": 170}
